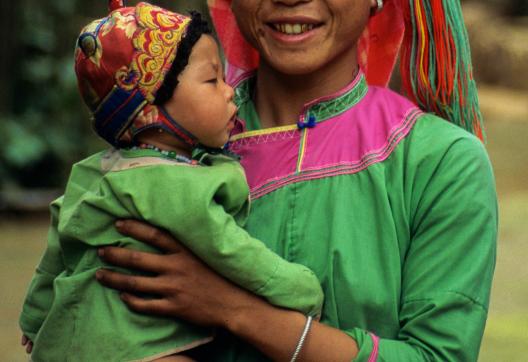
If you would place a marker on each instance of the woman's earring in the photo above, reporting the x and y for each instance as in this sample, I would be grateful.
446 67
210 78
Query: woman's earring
379 5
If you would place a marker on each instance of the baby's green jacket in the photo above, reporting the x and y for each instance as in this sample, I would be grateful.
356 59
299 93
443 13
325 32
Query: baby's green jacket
70 317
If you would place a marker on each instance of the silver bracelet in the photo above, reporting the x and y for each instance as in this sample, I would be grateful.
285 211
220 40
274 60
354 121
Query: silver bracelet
302 339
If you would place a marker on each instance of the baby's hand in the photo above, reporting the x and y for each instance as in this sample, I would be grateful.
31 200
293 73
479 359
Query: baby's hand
27 342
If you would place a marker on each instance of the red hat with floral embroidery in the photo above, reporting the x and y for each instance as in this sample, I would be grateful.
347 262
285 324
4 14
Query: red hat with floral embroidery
127 65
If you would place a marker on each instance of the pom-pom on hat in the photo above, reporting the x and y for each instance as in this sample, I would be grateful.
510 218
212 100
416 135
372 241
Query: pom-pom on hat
127 66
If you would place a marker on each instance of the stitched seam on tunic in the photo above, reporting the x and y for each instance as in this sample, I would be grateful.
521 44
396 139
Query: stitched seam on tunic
292 250
264 132
469 298
335 107
409 119
266 137
272 276
415 223
339 101
348 168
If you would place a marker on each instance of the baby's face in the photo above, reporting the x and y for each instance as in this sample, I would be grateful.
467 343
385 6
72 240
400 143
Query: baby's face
202 102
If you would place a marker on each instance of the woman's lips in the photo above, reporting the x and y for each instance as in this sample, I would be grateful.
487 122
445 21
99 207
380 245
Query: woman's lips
293 30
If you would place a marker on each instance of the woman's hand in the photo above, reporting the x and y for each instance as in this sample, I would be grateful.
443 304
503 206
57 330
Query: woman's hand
187 288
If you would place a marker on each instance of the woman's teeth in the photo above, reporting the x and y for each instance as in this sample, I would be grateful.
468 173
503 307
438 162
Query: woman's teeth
293 29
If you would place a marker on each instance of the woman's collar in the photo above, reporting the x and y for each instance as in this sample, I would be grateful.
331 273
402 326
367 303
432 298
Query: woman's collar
319 109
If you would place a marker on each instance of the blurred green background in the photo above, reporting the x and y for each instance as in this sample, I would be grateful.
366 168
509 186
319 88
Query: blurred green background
44 128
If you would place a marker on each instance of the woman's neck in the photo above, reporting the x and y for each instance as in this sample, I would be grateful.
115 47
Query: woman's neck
280 98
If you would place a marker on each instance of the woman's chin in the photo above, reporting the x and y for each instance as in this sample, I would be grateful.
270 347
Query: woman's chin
292 66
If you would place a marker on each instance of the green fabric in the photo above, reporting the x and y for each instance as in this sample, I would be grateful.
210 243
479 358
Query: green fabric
322 111
35 310
70 316
404 249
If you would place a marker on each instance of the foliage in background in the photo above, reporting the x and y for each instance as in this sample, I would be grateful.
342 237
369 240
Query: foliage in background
44 126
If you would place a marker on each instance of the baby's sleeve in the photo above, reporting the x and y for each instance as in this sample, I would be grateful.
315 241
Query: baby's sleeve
246 261
40 293
192 207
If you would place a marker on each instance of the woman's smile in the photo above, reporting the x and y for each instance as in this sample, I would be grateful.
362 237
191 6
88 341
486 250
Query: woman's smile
293 29
302 37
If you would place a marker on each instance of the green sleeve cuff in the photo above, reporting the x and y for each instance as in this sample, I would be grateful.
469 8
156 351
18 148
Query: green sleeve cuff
29 325
368 345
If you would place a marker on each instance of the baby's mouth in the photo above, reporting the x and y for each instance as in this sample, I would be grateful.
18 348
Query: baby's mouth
232 120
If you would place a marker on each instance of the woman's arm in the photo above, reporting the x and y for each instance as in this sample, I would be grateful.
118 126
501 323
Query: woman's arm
191 290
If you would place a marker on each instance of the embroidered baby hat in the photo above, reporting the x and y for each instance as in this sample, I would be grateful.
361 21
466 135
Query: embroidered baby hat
127 66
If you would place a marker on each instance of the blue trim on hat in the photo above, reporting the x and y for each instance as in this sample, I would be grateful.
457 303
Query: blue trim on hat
98 27
185 136
116 112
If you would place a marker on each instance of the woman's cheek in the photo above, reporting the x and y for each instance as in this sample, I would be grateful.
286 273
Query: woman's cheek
245 12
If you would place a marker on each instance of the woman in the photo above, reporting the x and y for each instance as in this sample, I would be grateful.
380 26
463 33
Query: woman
392 208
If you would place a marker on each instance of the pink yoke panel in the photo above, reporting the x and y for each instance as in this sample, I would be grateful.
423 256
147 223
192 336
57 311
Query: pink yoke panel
365 130
268 157
364 134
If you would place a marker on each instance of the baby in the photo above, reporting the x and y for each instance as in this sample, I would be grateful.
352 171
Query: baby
153 81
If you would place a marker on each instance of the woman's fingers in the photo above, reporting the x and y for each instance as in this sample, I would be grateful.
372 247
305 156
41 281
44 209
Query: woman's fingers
149 234
132 259
130 283
27 342
147 306
29 347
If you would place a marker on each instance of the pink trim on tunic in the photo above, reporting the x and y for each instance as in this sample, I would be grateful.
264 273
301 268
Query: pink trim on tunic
348 143
375 348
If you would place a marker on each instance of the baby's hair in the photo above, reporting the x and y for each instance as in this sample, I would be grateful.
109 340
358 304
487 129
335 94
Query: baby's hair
194 31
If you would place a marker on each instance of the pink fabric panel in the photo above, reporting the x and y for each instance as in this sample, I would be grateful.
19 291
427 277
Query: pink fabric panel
365 134
363 129
268 157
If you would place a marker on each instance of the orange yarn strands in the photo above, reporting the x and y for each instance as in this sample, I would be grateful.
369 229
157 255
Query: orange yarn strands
436 62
